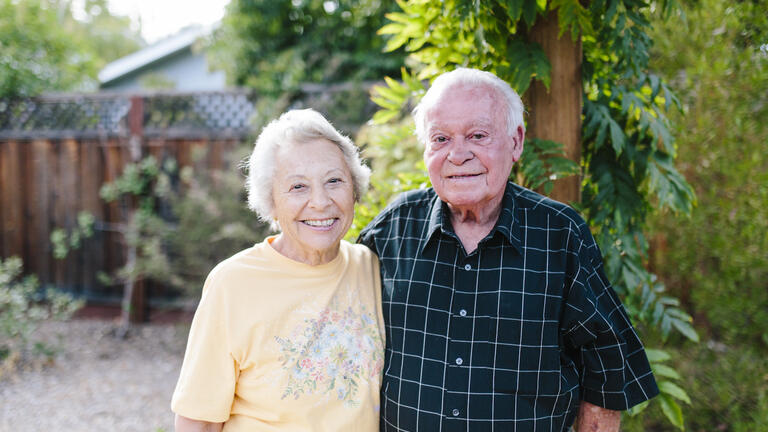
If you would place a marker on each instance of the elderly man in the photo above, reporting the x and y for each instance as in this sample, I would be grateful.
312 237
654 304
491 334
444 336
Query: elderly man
498 313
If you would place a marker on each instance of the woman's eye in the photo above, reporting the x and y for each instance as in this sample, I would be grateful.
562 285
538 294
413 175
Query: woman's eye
335 180
478 136
297 187
441 139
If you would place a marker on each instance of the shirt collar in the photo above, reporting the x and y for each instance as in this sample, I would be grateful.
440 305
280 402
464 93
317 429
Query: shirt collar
508 224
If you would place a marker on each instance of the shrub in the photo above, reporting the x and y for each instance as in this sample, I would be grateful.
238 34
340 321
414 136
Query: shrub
23 305
717 261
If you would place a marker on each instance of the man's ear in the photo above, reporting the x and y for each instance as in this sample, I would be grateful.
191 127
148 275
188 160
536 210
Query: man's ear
517 143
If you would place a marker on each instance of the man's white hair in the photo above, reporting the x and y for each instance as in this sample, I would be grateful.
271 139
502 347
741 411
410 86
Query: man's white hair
465 77
295 127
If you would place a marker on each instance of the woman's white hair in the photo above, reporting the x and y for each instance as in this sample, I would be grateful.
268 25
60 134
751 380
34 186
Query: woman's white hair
294 127
470 78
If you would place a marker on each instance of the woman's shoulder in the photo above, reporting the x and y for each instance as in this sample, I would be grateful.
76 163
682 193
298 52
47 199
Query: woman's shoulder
239 266
357 251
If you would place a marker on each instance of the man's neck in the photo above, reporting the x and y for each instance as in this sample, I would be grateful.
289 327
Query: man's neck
472 224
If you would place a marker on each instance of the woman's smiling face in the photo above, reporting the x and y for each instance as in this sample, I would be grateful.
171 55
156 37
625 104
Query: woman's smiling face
314 200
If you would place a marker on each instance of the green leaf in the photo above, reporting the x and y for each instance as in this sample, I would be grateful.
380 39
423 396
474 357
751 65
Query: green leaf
386 103
530 9
526 62
660 369
384 116
637 409
514 8
618 140
672 389
396 42
392 28
398 17
672 411
686 329
656 355
663 370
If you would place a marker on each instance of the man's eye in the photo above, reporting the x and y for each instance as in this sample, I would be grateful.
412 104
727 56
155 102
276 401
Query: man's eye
478 136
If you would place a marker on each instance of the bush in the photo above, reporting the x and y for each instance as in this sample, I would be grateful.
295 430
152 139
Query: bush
728 387
717 261
212 223
23 305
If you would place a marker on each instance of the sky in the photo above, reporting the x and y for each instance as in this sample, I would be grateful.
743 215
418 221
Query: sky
161 18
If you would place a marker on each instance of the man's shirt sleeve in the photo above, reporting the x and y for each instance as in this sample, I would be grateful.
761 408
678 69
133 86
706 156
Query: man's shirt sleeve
366 238
615 372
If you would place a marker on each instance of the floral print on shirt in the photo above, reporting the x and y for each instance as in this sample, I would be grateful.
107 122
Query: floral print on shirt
331 352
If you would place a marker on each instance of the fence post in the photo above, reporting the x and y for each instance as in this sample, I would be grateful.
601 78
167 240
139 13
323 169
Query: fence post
136 292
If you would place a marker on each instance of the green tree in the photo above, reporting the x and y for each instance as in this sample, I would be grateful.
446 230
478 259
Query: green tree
722 81
44 48
628 148
716 261
107 36
36 51
276 45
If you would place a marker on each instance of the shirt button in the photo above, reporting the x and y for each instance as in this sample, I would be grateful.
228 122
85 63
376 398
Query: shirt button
459 361
467 267
463 312
455 412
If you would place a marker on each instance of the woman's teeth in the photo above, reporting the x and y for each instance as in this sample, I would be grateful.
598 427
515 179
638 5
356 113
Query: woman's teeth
320 223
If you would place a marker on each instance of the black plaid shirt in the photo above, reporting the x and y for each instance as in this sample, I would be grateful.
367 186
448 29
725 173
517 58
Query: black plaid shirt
509 337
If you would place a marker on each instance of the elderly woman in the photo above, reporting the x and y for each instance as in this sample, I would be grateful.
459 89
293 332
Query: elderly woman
289 333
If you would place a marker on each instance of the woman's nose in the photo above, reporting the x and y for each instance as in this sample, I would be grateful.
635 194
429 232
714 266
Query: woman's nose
319 198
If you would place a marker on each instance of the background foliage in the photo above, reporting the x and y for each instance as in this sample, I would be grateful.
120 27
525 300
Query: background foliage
274 46
23 305
715 55
44 48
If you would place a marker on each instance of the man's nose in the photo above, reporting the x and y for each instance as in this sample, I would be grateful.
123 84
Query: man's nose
459 153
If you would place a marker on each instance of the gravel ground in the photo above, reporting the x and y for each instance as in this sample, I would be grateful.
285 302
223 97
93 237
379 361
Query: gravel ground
96 382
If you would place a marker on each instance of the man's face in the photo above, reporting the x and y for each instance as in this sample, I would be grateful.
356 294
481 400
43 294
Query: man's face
469 153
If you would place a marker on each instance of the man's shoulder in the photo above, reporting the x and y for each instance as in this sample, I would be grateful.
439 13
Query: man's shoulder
538 205
417 202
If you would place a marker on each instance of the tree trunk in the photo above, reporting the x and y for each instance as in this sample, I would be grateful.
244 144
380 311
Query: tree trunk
556 114
127 305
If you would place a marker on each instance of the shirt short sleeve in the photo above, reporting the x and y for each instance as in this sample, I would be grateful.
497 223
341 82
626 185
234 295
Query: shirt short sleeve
615 372
206 385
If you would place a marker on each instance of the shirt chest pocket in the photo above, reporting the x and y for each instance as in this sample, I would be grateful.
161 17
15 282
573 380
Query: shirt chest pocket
527 355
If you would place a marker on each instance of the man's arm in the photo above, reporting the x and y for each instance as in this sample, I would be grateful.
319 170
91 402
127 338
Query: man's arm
593 418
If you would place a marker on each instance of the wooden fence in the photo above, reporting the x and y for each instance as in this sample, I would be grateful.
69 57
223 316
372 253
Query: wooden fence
52 169
45 183
57 151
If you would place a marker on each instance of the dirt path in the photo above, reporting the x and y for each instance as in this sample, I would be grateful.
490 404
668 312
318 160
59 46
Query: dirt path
97 383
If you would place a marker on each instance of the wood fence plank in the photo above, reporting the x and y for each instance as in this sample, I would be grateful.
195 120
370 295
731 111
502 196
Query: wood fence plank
12 206
40 177
65 209
113 167
90 175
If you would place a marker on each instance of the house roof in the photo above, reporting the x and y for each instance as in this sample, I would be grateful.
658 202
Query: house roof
157 51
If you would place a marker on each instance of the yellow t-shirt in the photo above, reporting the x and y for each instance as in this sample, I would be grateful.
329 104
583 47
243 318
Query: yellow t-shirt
281 345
